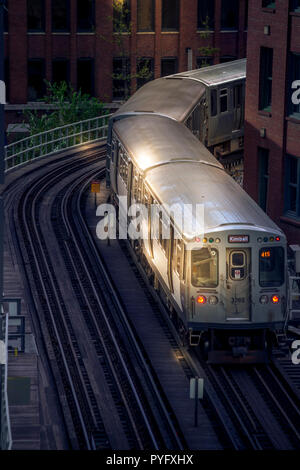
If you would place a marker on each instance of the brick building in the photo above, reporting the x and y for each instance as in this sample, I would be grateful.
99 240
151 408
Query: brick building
272 121
74 40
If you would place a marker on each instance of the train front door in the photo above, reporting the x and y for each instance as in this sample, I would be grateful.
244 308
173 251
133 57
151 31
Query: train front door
238 285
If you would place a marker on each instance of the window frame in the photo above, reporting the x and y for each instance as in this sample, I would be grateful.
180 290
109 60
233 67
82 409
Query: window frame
236 13
37 30
92 22
268 4
91 60
163 10
265 79
175 59
43 76
152 28
126 80
210 4
293 71
138 79
263 176
122 18
67 28
295 6
225 95
61 60
288 184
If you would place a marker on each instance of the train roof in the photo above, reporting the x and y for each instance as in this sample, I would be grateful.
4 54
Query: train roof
156 140
172 98
225 202
175 96
216 74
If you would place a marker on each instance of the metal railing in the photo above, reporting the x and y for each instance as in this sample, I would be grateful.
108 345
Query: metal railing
5 428
55 140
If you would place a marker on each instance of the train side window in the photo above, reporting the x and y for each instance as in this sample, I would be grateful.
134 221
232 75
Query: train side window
213 103
177 256
223 100
237 96
123 166
114 147
162 228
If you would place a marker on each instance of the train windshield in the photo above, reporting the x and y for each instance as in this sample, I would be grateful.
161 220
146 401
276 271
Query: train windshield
205 267
271 266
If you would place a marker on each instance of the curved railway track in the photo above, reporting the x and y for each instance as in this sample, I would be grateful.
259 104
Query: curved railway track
146 418
143 414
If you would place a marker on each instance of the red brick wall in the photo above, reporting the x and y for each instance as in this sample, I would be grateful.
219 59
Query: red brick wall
277 139
20 45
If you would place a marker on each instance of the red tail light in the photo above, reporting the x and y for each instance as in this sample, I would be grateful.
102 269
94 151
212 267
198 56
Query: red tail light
201 299
275 299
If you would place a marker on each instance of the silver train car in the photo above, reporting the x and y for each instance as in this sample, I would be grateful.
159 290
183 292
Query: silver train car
225 282
209 101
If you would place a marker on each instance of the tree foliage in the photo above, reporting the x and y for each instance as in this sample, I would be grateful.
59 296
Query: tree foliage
66 106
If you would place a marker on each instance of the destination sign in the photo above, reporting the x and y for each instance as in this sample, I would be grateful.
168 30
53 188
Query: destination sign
238 238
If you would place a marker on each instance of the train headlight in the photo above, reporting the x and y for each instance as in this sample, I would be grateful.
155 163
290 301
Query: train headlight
213 300
264 299
201 299
275 299
259 239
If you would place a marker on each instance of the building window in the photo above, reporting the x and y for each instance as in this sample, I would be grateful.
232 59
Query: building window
263 170
295 5
60 70
121 16
292 187
268 4
145 15
168 66
206 14
265 80
121 78
60 15
230 14
204 61
85 75
36 77
145 70
85 15
294 86
5 16
227 58
246 14
35 15
6 78
170 15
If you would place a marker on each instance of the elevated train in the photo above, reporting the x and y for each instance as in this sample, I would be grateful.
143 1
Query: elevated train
227 284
